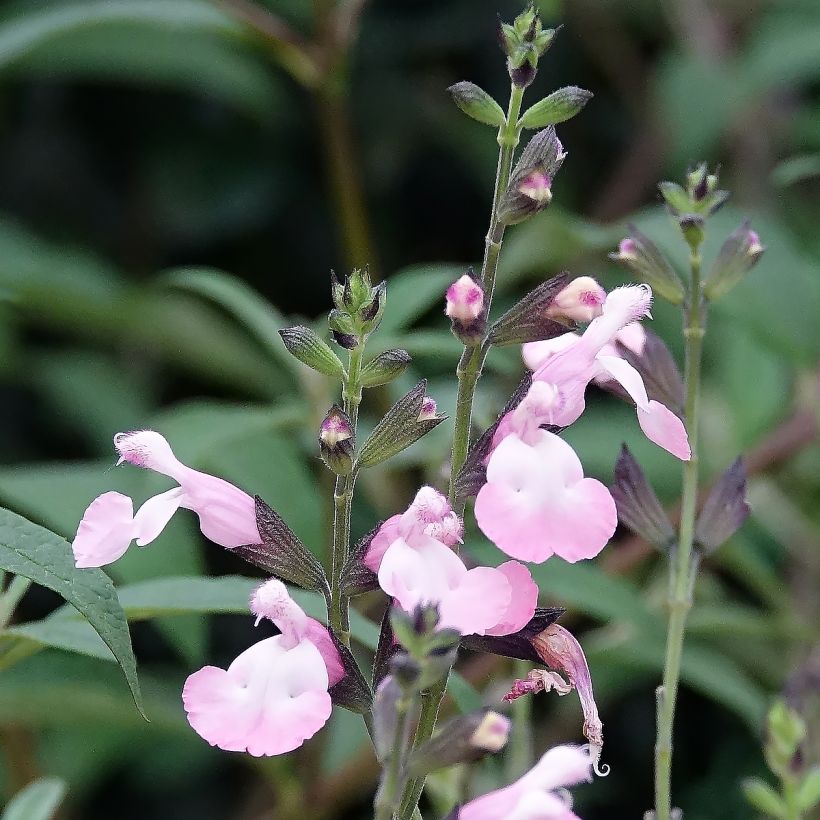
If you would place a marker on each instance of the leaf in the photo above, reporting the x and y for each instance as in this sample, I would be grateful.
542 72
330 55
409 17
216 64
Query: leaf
463 693
37 801
34 552
808 794
763 797
256 315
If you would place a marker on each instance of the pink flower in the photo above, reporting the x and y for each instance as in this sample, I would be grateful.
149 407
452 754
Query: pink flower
465 300
227 515
575 363
274 696
538 795
413 558
558 648
536 502
581 300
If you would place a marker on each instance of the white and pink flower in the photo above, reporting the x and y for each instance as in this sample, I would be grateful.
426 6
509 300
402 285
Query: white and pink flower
571 362
536 502
227 515
413 557
274 696
539 794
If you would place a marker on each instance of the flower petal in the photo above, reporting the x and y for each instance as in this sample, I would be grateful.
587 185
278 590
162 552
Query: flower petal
661 426
523 601
387 534
478 603
106 530
269 701
318 635
627 376
154 514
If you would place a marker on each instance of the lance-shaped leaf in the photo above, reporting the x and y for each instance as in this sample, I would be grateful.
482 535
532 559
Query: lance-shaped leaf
281 553
527 320
463 739
305 345
724 510
385 367
559 106
37 801
475 102
36 553
518 644
404 424
357 577
658 369
352 691
473 474
638 506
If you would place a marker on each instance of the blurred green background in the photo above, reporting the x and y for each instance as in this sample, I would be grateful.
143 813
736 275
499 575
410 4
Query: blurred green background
177 179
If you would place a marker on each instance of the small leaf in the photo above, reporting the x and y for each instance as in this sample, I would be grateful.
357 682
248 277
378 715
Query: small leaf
281 553
558 107
37 801
399 428
763 797
38 554
638 506
808 793
477 103
306 346
724 510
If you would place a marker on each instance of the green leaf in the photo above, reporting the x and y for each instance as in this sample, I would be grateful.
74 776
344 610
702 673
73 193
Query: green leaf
34 552
763 797
37 801
256 315
559 106
808 793
463 693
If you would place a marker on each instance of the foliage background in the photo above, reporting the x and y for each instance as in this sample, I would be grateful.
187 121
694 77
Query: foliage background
143 150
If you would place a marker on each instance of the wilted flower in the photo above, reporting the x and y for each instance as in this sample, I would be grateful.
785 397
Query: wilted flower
227 515
274 696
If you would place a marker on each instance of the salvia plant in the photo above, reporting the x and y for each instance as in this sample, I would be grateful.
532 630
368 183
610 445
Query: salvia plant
517 482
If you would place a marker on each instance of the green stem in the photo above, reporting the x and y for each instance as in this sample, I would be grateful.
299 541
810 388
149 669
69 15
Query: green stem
468 373
339 615
519 749
11 597
682 568
387 799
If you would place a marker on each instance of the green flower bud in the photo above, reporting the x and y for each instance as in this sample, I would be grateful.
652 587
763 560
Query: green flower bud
477 103
559 106
305 345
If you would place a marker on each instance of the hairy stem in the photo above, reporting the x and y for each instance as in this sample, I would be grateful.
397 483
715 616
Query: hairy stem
468 373
339 615
682 568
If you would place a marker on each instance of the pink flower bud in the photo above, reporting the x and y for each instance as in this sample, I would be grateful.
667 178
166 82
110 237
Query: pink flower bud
429 410
628 248
465 300
755 248
335 428
492 733
537 186
582 300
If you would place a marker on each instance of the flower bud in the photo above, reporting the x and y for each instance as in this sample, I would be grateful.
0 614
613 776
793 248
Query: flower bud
464 739
406 422
305 345
385 367
693 229
739 254
724 510
336 441
582 300
558 107
530 186
640 254
465 307
475 102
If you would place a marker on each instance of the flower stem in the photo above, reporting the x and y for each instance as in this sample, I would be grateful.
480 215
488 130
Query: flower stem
387 799
682 568
338 614
468 373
